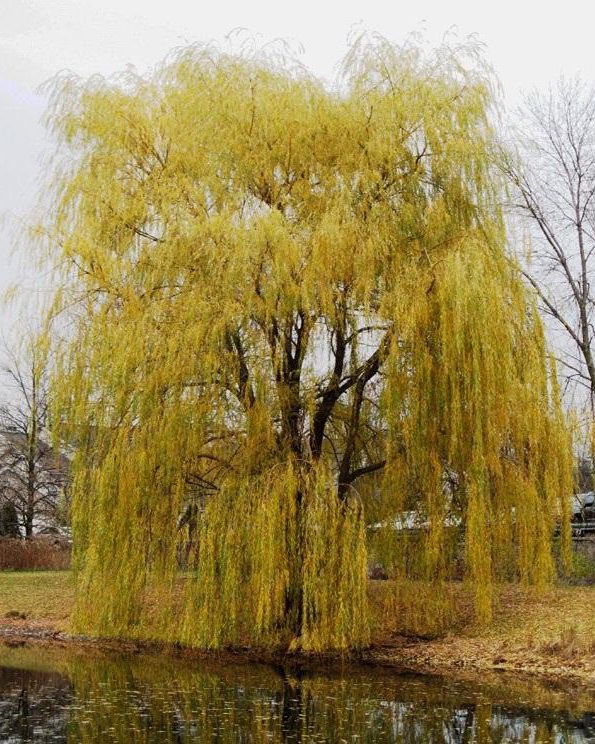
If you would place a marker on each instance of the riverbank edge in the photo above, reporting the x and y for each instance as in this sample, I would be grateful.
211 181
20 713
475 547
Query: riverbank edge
404 655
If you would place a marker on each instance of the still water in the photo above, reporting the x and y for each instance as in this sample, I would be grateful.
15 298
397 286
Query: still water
58 696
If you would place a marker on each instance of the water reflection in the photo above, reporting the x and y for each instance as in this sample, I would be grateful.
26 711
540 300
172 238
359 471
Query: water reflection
46 697
34 705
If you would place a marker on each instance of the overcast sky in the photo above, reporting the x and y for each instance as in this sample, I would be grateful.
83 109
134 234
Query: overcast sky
528 42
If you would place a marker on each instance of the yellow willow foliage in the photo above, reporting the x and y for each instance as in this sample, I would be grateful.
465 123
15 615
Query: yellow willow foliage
247 569
485 446
288 307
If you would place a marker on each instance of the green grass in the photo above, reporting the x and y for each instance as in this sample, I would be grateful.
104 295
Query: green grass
44 597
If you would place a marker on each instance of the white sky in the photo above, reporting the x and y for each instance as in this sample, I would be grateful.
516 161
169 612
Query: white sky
528 42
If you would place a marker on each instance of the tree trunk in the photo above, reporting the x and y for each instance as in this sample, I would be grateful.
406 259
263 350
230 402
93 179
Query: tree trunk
29 523
294 596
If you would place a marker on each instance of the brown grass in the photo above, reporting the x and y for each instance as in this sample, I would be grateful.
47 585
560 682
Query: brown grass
35 554
549 632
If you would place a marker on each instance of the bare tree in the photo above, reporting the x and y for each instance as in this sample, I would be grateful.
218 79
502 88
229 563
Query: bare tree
554 186
32 476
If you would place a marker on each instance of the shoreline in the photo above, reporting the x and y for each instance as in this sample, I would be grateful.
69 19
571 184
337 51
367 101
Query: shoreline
441 657
545 635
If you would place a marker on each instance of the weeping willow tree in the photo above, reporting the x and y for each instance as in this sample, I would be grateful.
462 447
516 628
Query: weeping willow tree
287 302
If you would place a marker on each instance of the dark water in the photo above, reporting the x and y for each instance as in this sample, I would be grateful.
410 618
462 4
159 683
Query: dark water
47 696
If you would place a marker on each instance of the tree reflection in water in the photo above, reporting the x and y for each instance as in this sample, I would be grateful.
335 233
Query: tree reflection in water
158 699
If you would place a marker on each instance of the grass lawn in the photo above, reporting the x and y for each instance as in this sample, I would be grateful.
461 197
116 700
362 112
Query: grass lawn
44 597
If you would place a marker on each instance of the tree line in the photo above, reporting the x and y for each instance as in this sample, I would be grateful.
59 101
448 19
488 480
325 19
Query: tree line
33 473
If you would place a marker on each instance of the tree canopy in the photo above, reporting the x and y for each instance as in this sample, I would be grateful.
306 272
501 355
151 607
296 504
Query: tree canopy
292 306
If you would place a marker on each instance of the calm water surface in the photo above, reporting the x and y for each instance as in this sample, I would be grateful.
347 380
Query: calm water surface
53 696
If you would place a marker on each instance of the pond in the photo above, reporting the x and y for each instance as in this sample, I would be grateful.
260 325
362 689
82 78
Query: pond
57 695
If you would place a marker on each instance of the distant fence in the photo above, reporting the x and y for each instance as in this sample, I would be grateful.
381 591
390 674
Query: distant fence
583 529
35 553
